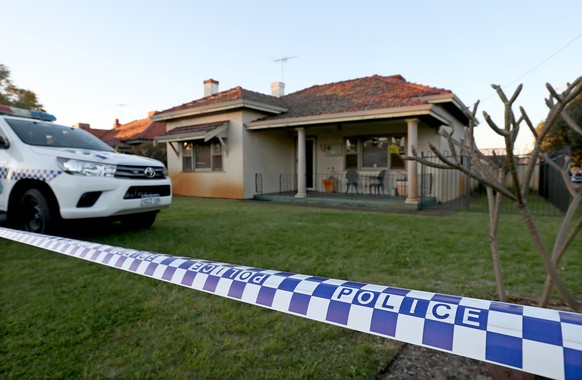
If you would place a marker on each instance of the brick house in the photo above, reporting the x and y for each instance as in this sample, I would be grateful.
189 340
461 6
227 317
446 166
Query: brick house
236 143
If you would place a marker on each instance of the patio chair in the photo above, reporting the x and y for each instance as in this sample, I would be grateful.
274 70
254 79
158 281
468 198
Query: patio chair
378 182
351 180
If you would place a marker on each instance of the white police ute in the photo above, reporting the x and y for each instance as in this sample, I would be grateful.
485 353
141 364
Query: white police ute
50 173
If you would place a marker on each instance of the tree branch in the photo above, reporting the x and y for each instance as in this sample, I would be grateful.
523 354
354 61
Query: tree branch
528 122
568 95
492 125
571 123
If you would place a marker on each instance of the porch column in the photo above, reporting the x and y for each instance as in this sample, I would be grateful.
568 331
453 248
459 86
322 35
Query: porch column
411 166
301 164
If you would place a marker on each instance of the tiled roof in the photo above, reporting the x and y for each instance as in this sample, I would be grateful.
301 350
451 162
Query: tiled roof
237 93
99 133
143 129
153 130
362 94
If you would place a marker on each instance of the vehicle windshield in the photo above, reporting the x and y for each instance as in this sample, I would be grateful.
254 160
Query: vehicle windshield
40 133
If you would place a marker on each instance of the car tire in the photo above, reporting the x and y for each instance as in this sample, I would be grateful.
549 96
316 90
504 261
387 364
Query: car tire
139 221
35 213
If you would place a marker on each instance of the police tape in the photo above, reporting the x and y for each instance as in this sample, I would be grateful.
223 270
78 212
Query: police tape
536 340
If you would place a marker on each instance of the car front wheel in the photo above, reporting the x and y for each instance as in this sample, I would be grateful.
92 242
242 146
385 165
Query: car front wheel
35 213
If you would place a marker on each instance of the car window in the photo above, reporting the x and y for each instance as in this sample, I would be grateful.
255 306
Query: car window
41 133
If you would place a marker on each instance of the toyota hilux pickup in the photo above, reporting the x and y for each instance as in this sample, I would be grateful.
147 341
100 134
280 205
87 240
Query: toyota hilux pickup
50 173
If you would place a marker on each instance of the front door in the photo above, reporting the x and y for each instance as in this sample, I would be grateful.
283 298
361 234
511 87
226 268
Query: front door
309 163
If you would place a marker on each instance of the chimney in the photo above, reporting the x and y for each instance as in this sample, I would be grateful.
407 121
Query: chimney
116 124
278 89
82 125
210 87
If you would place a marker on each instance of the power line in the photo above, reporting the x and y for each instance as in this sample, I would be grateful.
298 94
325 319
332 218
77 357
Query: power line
538 65
545 60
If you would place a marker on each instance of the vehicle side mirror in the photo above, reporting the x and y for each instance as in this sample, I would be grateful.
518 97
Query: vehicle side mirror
4 144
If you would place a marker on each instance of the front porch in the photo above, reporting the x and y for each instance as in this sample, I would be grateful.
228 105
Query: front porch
365 154
342 201
387 192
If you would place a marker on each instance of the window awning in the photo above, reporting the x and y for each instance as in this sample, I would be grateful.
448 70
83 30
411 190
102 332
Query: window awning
206 132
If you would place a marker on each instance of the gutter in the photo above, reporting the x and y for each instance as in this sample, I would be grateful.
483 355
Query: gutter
385 113
450 98
220 107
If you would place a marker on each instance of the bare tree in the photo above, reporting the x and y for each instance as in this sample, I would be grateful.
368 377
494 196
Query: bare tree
492 172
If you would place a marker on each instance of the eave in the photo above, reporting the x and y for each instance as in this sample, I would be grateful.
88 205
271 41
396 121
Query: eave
453 105
218 108
426 111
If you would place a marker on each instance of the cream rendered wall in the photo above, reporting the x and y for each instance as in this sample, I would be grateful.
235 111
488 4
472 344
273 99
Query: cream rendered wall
270 153
427 135
450 184
323 163
228 183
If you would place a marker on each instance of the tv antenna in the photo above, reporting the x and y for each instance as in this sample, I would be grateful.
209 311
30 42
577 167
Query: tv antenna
121 107
283 61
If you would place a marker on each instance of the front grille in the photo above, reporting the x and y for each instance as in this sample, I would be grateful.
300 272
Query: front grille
139 172
136 192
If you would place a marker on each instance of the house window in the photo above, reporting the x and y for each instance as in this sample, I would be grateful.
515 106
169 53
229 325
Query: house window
186 157
201 156
216 156
397 149
375 152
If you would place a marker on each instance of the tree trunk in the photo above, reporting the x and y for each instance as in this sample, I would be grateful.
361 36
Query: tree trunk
494 210
546 260
561 245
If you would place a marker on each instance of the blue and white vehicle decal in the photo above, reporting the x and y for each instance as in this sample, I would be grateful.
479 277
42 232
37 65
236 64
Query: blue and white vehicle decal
45 175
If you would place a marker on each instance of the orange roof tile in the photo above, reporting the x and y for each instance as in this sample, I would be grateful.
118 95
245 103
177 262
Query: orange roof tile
143 129
375 92
237 93
361 94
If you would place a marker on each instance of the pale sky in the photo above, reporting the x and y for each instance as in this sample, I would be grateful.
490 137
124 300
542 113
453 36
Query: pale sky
95 61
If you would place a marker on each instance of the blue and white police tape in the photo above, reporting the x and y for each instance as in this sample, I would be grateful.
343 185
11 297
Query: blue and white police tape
540 341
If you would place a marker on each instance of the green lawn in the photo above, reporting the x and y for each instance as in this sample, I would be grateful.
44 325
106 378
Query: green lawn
67 318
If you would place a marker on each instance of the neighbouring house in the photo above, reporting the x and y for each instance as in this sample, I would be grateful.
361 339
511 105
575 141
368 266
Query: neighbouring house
126 137
238 143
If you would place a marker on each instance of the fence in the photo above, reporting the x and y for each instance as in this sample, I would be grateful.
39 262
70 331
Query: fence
552 185
456 191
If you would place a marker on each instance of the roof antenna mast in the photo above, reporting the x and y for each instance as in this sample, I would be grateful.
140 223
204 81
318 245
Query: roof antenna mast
283 61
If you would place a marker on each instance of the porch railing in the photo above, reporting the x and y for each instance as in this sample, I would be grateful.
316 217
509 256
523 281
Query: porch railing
391 185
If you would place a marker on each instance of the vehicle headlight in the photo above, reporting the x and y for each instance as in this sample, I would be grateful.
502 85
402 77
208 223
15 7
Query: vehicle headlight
88 168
